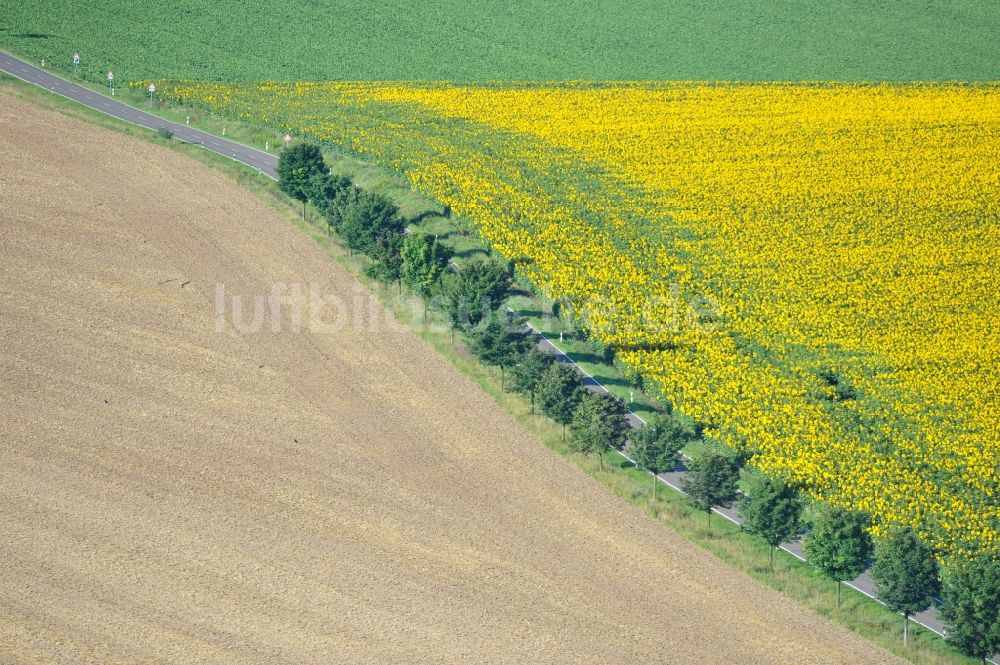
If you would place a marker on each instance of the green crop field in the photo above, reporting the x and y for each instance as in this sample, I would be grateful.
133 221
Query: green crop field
231 40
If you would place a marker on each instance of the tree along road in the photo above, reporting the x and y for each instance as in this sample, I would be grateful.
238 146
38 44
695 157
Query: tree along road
262 161
267 164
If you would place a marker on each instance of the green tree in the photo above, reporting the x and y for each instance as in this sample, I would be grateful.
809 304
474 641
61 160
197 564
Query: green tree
367 221
296 167
479 287
387 259
839 545
559 392
501 342
322 189
711 481
971 610
526 374
424 260
342 201
657 446
599 425
906 574
771 510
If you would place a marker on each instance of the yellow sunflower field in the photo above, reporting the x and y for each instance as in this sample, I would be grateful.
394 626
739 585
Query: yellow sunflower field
808 270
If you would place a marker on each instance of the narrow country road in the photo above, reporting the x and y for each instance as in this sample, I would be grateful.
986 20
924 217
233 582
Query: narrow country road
266 163
262 161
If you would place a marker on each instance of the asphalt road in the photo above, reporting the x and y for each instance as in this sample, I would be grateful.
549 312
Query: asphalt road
267 164
262 161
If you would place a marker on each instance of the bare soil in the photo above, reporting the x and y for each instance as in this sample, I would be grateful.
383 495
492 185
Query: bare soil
174 494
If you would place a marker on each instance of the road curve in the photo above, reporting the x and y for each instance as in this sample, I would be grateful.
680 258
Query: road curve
259 160
267 163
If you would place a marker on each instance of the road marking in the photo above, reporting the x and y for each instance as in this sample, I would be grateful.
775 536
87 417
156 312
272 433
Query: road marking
579 369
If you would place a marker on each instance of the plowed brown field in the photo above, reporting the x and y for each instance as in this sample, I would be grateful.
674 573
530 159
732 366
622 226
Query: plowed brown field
174 494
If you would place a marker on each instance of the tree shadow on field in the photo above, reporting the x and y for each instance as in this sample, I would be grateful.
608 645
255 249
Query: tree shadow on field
424 215
469 253
612 381
621 463
583 357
